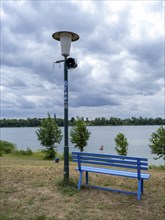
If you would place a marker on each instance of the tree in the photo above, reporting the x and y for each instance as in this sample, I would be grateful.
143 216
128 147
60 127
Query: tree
49 134
79 134
121 144
157 143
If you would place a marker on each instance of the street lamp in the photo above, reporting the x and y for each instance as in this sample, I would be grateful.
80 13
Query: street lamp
65 39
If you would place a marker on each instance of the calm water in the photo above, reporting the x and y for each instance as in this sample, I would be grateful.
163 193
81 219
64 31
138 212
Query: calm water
138 139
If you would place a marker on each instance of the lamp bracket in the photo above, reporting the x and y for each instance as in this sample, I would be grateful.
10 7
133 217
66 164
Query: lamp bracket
58 61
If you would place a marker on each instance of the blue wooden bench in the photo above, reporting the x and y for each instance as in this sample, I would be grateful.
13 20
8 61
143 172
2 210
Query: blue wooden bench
124 166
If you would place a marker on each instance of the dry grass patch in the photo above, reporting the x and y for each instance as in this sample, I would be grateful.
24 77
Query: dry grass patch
33 189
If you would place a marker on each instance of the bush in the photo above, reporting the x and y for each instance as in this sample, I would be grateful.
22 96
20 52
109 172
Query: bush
27 152
6 147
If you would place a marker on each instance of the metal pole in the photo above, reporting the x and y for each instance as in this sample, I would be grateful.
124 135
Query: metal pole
66 147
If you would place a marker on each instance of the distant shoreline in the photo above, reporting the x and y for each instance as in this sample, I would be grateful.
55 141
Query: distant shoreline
112 121
87 126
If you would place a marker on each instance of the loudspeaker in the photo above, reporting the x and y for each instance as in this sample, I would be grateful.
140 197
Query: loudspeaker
70 63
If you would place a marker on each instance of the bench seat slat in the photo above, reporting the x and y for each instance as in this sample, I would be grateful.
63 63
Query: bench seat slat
114 172
109 164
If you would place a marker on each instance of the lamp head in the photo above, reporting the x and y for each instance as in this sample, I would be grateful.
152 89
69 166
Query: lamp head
65 38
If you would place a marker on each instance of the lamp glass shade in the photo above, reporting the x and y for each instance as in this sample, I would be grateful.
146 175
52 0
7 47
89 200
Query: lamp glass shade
65 39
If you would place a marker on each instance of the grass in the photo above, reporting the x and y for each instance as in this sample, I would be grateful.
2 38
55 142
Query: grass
33 189
160 167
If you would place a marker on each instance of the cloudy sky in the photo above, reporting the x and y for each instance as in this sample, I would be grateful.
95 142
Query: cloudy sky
120 56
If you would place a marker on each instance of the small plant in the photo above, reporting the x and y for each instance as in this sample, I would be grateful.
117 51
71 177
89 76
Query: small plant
157 143
121 144
79 134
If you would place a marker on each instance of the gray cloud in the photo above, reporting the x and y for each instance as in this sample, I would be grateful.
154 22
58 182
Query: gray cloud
120 58
93 99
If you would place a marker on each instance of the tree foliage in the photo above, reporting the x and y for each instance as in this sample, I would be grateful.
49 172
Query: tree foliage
157 143
49 134
121 144
79 134
114 121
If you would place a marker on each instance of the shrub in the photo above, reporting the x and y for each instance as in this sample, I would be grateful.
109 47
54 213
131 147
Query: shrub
6 147
27 152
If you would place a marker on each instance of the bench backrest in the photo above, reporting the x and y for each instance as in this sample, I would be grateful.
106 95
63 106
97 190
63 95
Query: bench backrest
111 160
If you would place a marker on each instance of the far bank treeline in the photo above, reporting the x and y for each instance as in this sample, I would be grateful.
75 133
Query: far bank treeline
113 121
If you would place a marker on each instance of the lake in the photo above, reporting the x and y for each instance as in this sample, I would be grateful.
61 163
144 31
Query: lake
137 136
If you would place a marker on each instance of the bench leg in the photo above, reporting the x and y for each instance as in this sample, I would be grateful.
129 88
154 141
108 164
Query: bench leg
80 180
139 189
86 177
142 186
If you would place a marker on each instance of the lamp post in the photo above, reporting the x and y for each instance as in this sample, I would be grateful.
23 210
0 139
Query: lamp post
65 39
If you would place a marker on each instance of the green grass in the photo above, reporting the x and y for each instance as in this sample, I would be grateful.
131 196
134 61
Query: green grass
33 189
160 167
40 155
